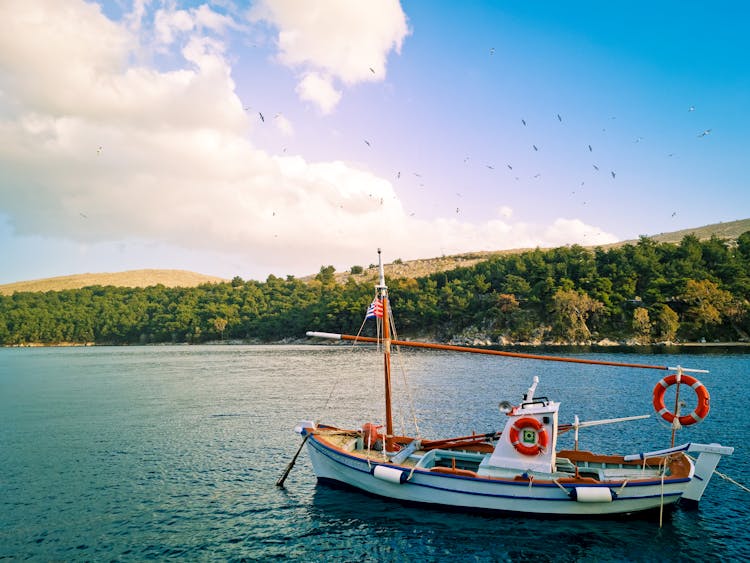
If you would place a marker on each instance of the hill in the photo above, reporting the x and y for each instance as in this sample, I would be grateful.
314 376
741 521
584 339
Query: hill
131 278
396 269
729 231
427 266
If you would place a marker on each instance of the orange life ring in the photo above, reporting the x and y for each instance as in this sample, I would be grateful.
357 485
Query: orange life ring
541 436
701 410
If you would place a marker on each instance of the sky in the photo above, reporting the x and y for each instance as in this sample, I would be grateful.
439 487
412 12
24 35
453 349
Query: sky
275 137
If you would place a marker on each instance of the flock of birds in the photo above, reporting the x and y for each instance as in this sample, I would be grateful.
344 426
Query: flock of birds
534 147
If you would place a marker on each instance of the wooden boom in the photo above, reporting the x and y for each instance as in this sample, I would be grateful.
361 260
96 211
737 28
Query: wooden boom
453 348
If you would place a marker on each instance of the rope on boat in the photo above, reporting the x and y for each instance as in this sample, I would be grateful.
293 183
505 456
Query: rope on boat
661 500
407 387
728 478
338 377
413 469
725 477
556 482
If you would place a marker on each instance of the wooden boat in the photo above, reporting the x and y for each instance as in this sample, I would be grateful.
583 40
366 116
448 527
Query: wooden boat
517 469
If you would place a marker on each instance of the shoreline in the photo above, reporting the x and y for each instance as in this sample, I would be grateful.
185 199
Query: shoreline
522 345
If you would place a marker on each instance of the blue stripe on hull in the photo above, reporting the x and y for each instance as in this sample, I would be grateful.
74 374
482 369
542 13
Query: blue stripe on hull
650 513
362 467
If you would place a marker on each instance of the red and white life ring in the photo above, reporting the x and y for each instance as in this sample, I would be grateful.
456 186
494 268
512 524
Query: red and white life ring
541 436
701 410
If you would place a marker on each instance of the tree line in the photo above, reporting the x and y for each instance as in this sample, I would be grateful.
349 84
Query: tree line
643 293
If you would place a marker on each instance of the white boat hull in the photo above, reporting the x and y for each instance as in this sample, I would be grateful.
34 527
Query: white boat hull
477 493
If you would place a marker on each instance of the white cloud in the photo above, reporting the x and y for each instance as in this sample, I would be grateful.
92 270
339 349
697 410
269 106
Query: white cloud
284 126
170 23
95 147
346 40
319 90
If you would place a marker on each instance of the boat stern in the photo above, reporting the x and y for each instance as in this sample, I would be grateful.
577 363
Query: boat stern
708 458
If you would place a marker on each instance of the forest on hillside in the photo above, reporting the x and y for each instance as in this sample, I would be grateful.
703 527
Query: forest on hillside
641 293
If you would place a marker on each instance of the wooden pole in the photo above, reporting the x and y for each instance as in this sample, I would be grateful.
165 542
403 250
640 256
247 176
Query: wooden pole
387 367
453 348
280 482
676 420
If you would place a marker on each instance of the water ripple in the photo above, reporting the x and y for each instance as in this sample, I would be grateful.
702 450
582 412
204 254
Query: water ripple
173 452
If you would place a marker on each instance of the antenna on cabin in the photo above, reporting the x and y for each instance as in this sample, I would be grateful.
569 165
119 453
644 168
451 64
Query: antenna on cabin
529 396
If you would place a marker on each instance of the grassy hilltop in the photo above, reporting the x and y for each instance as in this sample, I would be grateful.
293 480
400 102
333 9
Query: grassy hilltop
396 269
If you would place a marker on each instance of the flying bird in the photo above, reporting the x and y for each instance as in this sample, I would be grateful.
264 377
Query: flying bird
559 118
372 70
99 150
490 167
595 167
674 213
535 147
367 143
613 173
398 175
590 149
691 108
524 122
510 167
492 51
83 215
263 119
704 133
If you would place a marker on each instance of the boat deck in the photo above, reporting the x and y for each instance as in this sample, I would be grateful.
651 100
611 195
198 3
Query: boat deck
571 465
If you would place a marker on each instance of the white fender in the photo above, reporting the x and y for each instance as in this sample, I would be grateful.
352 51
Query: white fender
390 474
592 494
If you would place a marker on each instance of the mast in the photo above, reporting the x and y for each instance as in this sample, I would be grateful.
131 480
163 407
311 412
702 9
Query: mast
382 290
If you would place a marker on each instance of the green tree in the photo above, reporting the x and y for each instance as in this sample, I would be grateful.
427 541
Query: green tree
666 323
707 304
220 325
641 325
571 310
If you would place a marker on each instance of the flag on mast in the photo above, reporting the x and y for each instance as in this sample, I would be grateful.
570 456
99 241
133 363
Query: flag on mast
375 309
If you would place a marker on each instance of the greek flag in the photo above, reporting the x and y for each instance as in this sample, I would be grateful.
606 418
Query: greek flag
375 309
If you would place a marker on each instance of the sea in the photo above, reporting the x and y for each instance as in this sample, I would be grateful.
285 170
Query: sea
173 452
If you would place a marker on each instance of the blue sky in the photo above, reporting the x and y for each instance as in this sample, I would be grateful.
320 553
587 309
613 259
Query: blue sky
131 134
